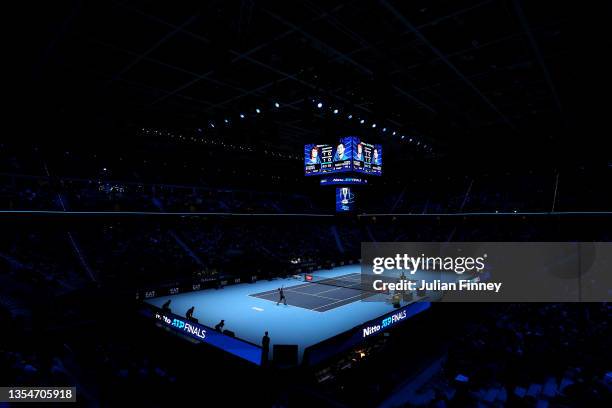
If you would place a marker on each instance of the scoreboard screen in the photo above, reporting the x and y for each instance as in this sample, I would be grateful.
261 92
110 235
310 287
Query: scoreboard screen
367 158
343 154
349 154
317 159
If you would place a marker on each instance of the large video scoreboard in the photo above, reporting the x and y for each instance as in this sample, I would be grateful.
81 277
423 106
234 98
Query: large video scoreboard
350 154
367 158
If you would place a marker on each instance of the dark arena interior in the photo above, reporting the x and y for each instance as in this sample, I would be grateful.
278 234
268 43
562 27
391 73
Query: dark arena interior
193 196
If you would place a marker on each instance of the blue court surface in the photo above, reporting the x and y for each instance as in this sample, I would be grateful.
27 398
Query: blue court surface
323 295
314 312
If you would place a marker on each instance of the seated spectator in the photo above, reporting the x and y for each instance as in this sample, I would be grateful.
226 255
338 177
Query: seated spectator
220 325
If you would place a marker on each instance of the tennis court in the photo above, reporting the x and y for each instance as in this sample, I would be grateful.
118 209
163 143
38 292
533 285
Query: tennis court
323 295
250 309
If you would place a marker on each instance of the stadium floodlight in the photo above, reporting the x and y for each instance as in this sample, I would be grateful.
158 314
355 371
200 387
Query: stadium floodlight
384 129
393 133
350 116
319 105
335 111
257 110
276 105
373 125
362 121
226 120
242 116
403 137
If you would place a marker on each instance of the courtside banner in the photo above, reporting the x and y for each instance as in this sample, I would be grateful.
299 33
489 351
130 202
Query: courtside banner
402 272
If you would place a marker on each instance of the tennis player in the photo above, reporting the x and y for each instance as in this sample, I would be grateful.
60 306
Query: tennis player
282 298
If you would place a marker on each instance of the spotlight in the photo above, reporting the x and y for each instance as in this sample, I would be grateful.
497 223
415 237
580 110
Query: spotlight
373 125
319 105
335 111
242 116
403 137
384 129
257 110
362 121
226 120
276 105
393 133
350 116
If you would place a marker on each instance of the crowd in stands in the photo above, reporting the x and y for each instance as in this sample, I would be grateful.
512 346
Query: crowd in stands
515 354
518 354
106 366
38 262
503 194
44 179
578 189
534 352
45 193
134 255
32 368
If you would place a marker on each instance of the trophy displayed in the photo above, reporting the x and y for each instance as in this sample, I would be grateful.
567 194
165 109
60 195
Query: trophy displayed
345 193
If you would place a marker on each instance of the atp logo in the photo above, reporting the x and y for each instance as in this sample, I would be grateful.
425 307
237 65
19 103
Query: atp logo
189 328
183 326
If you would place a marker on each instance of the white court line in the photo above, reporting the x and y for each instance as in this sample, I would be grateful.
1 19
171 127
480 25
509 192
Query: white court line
297 293
306 284
333 303
306 294
291 290
259 309
312 294
276 290
336 288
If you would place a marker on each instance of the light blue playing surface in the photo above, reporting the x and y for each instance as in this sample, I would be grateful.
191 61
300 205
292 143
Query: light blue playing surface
249 317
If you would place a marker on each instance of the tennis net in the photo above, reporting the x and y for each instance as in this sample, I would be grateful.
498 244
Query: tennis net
351 281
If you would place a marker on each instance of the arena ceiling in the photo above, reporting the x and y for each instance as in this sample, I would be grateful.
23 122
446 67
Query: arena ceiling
448 74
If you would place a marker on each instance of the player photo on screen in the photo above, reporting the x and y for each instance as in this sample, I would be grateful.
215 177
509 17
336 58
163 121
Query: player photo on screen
343 149
367 158
345 199
313 155
377 159
358 153
343 152
316 158
377 155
